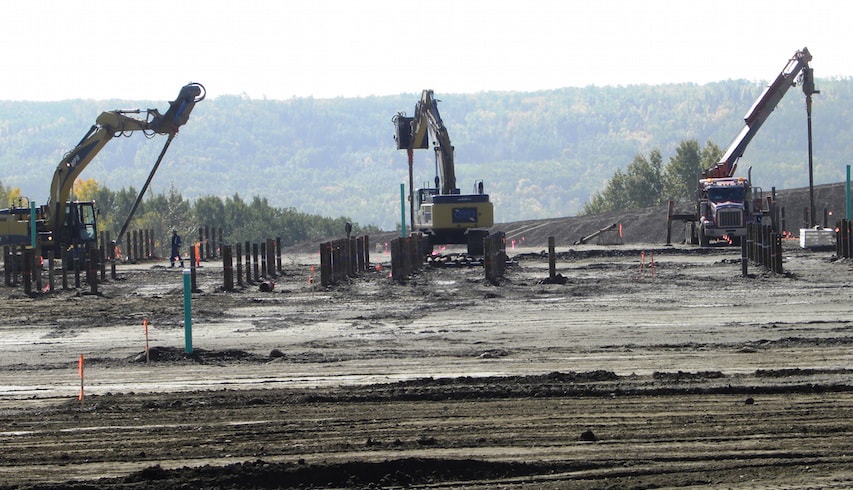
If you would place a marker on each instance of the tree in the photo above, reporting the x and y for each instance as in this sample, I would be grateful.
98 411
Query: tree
711 154
123 201
104 199
157 212
643 180
638 187
210 210
4 196
85 190
164 212
8 195
681 174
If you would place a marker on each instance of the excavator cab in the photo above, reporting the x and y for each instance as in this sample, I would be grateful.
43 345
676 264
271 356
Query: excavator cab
86 221
81 225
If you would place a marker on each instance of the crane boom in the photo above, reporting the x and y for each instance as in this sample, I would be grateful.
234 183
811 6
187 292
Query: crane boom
726 205
427 120
761 109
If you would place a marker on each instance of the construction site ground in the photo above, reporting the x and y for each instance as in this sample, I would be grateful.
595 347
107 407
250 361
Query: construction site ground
636 366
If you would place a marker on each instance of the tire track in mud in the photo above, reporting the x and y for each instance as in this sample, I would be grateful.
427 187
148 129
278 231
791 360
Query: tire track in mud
301 438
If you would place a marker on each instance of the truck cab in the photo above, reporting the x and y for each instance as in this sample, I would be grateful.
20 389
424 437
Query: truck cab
726 206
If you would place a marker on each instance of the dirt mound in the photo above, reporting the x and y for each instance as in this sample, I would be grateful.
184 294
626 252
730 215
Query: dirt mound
199 356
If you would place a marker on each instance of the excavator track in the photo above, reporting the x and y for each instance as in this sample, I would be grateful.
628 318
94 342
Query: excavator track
459 260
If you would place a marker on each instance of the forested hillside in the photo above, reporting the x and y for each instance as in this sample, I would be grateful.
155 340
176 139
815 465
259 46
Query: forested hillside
541 154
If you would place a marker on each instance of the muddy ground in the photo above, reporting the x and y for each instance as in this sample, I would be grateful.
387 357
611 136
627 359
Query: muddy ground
616 375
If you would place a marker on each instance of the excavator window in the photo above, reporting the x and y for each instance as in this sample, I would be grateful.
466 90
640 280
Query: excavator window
88 230
425 194
464 215
80 222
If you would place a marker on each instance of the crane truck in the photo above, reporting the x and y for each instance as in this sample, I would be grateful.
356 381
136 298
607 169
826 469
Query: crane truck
62 223
725 203
441 212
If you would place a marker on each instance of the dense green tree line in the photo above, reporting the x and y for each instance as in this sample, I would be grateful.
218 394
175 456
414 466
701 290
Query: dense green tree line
647 182
540 154
254 220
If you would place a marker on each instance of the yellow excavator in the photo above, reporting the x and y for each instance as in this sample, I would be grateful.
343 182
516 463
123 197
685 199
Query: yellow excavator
61 223
442 213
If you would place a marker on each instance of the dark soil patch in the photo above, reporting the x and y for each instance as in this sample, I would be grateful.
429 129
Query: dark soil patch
261 474
198 356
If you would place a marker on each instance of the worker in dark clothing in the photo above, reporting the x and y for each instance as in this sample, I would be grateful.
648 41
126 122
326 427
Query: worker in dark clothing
176 249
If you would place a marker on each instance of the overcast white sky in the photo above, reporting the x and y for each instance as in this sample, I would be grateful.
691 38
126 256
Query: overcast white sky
278 49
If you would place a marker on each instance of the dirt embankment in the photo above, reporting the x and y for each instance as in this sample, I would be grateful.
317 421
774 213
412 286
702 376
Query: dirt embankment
648 225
